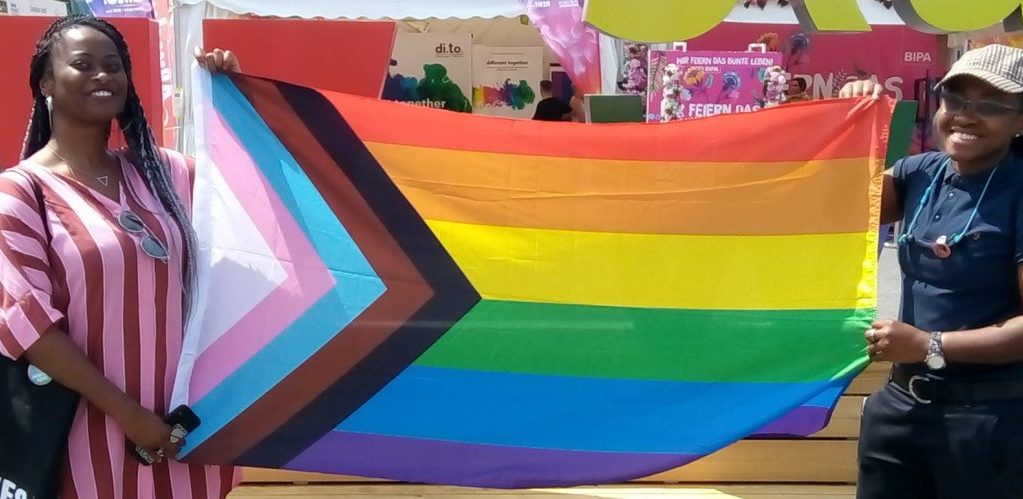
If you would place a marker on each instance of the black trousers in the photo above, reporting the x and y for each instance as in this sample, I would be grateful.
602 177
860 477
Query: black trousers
910 450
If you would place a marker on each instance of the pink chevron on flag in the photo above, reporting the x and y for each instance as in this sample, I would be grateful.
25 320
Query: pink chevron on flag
307 277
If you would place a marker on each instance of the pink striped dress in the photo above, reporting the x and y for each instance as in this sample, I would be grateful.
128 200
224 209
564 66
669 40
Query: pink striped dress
122 307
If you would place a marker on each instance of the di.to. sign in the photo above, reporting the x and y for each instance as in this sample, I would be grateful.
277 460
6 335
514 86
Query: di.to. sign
672 20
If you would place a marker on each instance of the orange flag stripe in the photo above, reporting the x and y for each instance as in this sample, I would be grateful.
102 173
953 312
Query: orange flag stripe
834 137
633 196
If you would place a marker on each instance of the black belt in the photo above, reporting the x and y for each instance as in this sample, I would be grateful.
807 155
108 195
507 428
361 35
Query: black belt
926 389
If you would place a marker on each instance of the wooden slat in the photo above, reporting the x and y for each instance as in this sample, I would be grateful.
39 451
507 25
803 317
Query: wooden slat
806 460
799 461
402 491
263 475
845 421
872 378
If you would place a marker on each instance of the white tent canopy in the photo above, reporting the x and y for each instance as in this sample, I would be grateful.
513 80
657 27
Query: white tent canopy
873 10
370 9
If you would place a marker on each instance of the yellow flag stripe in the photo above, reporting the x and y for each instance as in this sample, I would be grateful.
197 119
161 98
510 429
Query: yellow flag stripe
833 271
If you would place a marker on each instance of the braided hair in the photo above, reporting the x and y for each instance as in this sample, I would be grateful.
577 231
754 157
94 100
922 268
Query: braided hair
132 122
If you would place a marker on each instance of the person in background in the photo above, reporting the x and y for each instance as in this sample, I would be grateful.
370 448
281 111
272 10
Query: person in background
949 422
796 91
551 108
97 265
578 108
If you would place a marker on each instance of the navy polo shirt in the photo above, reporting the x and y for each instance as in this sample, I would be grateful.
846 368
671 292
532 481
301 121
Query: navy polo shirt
977 285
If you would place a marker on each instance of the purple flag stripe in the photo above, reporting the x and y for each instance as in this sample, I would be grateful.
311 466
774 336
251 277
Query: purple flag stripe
430 461
804 421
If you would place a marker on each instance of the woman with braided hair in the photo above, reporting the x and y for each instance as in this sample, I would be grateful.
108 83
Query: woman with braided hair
96 265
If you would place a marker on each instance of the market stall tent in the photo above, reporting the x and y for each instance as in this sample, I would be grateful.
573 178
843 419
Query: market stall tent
497 23
376 9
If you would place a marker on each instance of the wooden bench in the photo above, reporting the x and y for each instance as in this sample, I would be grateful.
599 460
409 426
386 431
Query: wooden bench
828 457
629 491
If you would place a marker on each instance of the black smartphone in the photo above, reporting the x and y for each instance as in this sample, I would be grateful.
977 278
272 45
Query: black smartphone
183 419
182 422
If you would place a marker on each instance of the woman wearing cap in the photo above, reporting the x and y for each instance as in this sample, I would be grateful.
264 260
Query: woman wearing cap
949 423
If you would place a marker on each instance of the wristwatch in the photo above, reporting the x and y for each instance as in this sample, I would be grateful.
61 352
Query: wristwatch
935 358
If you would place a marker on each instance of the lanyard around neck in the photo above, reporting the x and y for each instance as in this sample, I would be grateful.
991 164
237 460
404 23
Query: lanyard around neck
907 235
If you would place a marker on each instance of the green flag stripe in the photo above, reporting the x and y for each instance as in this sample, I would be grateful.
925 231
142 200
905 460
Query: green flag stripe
655 344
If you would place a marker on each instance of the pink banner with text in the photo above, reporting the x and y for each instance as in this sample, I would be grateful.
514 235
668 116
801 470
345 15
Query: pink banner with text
896 56
697 84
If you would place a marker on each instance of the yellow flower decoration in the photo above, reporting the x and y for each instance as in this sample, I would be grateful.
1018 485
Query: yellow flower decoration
694 76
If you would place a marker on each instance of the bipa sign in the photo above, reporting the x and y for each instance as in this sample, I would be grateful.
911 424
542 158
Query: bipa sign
918 57
660 21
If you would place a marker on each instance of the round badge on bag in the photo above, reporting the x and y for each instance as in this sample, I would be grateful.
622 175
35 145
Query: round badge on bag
38 377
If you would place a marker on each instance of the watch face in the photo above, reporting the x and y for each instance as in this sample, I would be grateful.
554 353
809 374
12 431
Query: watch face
935 362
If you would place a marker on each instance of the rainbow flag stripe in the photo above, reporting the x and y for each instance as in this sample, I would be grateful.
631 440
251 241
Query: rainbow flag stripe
411 294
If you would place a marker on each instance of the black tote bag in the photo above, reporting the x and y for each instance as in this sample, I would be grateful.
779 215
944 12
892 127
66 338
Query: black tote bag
34 426
35 421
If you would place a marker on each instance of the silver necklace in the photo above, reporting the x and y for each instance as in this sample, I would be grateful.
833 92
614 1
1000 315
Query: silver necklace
103 179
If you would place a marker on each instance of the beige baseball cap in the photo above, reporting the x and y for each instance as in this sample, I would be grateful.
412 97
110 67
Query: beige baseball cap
999 65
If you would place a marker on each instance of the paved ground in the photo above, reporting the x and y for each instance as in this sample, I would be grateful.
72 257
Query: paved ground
888 282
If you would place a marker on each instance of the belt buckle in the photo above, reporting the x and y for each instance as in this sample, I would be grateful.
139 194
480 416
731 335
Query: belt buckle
911 387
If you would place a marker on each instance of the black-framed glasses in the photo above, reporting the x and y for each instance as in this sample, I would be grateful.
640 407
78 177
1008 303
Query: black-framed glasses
955 103
150 245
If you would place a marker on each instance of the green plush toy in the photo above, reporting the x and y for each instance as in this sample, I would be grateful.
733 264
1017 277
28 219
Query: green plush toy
437 86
